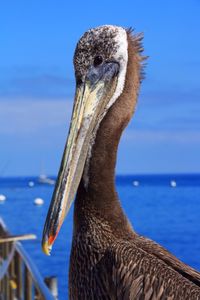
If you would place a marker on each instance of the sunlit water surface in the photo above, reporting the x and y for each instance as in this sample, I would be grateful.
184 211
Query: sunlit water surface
168 215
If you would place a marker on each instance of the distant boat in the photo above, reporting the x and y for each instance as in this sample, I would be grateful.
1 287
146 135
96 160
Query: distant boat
31 183
43 179
38 201
173 183
2 198
136 183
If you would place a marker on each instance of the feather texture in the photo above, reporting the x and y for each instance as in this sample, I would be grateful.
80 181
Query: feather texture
108 259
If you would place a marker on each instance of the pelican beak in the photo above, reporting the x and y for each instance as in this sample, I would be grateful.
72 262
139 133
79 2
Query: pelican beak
91 99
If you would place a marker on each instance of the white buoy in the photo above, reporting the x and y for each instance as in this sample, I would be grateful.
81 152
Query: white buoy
38 201
2 198
136 183
31 183
173 183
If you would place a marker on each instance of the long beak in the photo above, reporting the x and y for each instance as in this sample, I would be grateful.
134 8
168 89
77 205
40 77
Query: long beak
91 99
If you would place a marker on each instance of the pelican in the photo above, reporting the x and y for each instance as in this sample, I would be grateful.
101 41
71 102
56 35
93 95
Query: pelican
109 260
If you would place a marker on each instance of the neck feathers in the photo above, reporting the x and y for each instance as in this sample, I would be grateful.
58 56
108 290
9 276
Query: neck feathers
100 192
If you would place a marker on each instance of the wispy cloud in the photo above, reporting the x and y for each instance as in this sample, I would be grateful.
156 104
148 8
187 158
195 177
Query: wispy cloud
22 118
35 82
34 130
178 137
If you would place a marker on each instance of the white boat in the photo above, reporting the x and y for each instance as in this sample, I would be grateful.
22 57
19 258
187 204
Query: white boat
31 183
38 201
43 179
136 183
2 198
173 183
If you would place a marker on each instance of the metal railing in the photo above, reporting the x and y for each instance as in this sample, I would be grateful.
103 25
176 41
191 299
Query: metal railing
19 277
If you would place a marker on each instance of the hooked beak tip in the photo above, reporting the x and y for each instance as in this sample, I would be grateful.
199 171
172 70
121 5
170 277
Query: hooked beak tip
47 245
46 248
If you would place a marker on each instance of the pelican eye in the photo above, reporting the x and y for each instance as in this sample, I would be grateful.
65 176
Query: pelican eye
98 60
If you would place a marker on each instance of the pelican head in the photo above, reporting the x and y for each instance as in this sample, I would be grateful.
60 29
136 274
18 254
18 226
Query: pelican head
100 63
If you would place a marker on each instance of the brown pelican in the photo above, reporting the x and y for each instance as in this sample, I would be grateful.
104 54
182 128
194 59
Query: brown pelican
109 260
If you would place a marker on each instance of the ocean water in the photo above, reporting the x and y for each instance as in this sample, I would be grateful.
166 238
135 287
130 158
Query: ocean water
170 216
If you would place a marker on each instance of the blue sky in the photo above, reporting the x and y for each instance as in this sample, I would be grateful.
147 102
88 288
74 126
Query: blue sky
37 83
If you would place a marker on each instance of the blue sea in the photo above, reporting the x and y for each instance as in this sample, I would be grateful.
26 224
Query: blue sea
168 215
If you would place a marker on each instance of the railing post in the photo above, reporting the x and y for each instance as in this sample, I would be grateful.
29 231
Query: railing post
18 272
7 287
52 284
21 279
12 275
27 285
